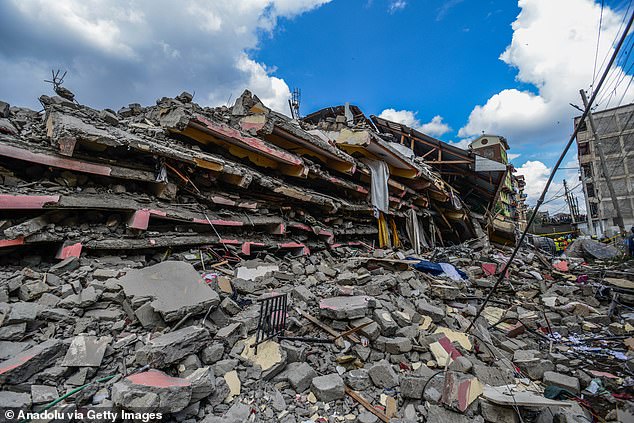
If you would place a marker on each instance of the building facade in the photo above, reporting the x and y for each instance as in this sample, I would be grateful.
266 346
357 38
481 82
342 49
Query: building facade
510 207
615 129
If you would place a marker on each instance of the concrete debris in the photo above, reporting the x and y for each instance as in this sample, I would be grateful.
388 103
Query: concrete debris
152 390
86 351
138 248
175 289
328 388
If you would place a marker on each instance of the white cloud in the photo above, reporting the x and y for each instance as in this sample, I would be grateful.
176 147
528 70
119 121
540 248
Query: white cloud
121 52
464 143
553 50
536 174
513 156
435 127
396 5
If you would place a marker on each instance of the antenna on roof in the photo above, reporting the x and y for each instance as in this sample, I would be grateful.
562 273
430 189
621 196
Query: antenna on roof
293 103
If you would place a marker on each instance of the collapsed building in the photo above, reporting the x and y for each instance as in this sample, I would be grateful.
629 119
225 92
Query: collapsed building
250 177
231 264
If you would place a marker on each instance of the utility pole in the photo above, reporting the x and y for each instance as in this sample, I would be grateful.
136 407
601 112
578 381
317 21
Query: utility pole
589 221
571 205
604 166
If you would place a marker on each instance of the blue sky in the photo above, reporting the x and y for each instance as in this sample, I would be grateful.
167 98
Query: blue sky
428 56
450 68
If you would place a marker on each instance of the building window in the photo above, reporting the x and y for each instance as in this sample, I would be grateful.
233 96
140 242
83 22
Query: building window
590 188
582 126
584 149
485 141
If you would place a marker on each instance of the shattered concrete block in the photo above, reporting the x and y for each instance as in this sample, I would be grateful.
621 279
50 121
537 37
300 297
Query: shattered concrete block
493 376
230 333
173 346
399 345
383 375
535 368
328 387
212 353
371 331
41 394
270 357
386 322
237 413
461 364
427 309
300 376
152 391
358 379
438 413
252 269
203 383
22 312
86 297
15 400
222 367
29 362
460 390
9 349
412 386
86 351
233 382
149 318
103 274
13 332
569 383
345 308
303 294
230 307
497 414
32 291
175 287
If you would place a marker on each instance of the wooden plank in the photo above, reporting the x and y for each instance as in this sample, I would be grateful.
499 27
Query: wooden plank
325 327
358 398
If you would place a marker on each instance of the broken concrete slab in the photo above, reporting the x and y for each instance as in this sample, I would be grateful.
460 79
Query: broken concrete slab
383 375
252 269
41 394
14 400
173 346
153 391
270 356
345 308
569 383
328 387
27 363
175 287
86 351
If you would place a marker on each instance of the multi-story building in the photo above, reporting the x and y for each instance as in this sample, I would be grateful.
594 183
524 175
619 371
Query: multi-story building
615 129
520 210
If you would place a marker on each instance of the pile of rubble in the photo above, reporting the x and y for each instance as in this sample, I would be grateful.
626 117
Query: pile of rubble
367 337
220 265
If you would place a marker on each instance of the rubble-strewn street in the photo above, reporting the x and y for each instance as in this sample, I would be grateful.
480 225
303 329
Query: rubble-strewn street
147 252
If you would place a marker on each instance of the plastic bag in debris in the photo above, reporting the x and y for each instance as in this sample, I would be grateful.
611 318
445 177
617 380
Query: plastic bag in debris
438 269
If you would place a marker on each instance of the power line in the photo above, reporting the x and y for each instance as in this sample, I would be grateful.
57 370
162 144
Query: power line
552 174
629 5
596 52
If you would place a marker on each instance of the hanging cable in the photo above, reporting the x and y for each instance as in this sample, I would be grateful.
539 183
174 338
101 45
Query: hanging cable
552 174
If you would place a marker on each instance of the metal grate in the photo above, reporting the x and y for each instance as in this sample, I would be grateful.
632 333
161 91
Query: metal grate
272 320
